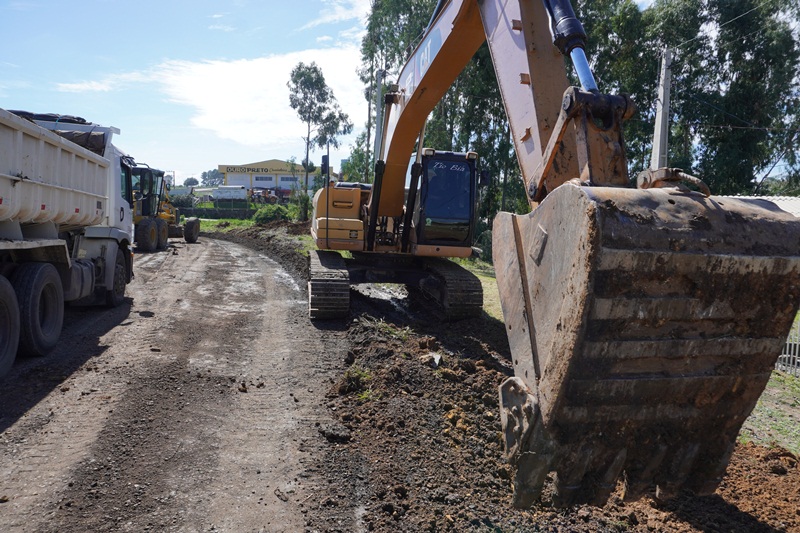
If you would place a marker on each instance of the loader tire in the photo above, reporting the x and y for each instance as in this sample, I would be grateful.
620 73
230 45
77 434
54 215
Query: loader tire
9 325
41 307
191 229
147 235
116 295
163 234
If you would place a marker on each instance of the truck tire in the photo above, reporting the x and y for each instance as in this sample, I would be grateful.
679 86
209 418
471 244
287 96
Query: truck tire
163 234
116 295
9 326
41 307
147 235
191 229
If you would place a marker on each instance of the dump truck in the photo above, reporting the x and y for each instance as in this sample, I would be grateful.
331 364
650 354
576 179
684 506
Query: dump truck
65 226
643 319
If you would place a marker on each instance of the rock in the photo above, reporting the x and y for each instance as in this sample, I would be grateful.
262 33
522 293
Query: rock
335 432
431 359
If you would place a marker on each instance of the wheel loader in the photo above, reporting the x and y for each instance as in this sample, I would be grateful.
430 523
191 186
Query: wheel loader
150 231
188 231
155 219
643 320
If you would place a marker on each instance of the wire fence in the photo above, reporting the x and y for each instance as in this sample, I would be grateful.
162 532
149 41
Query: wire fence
789 360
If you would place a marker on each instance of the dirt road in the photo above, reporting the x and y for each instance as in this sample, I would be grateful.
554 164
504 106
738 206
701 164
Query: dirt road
193 407
209 402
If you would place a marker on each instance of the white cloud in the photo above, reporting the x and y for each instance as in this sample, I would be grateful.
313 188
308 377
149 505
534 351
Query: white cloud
247 100
221 27
88 86
324 38
340 11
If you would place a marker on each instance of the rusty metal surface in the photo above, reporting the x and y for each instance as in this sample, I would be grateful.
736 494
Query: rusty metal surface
644 326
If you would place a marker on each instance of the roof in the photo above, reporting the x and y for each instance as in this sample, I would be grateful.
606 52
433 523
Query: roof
790 204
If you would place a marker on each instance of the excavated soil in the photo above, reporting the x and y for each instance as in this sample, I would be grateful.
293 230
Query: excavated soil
209 402
415 444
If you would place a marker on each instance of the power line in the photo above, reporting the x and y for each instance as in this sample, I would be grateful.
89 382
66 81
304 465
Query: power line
724 23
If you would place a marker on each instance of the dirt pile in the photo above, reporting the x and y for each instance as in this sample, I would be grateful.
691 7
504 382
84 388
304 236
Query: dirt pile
417 445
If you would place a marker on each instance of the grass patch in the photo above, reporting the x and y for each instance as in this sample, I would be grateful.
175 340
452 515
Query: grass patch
305 244
225 224
485 273
390 330
775 421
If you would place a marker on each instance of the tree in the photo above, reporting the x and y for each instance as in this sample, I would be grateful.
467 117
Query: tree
212 178
317 107
357 167
190 182
734 101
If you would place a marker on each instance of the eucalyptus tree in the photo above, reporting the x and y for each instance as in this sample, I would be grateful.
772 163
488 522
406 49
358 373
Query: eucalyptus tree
317 107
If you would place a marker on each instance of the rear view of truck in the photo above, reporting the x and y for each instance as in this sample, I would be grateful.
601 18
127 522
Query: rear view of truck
65 226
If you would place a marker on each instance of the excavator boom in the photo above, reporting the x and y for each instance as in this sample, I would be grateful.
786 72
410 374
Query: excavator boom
643 322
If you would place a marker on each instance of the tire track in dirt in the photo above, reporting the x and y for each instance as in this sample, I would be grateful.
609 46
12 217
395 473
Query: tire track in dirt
196 415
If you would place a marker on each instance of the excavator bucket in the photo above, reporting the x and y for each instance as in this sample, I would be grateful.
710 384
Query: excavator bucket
643 325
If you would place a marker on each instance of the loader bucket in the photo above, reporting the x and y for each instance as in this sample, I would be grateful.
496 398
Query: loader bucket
643 326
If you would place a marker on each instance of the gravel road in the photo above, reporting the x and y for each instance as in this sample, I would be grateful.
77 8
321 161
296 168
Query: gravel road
194 406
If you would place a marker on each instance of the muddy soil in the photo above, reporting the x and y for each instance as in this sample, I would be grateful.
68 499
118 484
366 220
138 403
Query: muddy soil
208 402
418 444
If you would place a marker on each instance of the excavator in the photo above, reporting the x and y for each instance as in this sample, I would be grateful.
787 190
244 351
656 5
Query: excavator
644 317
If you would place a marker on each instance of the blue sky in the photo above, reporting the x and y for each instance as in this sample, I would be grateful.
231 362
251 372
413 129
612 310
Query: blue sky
190 84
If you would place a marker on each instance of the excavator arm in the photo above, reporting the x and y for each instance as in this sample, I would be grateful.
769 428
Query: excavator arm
643 322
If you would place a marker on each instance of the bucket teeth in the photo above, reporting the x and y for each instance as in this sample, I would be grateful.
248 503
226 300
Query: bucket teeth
646 325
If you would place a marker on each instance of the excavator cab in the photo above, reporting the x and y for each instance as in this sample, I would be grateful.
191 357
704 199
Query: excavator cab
447 198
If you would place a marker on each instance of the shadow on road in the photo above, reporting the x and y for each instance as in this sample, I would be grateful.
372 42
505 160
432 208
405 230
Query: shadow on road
32 378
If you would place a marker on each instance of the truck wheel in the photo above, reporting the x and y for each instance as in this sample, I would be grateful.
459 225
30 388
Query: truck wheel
163 234
147 235
9 326
116 295
41 307
191 229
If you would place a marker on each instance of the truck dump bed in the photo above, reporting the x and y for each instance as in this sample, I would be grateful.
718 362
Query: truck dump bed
46 178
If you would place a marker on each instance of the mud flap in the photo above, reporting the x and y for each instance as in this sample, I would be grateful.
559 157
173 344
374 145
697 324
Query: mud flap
643 327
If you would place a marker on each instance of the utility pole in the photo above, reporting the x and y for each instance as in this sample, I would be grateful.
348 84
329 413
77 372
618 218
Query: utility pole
661 133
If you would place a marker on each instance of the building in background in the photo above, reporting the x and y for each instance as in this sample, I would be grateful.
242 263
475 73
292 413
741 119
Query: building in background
274 174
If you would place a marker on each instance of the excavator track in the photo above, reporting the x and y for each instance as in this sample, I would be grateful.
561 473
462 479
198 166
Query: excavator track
457 291
328 286
643 326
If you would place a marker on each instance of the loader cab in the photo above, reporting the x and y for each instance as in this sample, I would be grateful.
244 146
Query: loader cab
146 190
445 213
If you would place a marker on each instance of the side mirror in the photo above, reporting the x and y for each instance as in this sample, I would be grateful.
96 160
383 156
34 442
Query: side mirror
484 179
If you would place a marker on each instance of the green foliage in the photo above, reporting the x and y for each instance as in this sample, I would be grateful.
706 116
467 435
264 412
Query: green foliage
734 101
212 178
317 107
270 213
358 166
183 200
190 182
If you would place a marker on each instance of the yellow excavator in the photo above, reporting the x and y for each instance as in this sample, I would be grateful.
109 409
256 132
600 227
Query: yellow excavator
643 320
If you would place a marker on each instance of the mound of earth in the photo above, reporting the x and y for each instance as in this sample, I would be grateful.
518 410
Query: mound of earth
417 446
